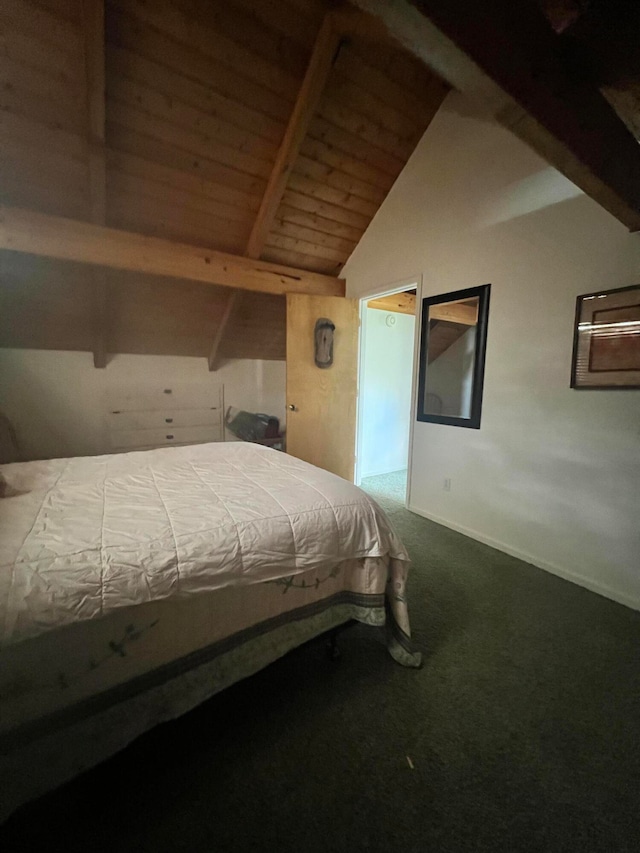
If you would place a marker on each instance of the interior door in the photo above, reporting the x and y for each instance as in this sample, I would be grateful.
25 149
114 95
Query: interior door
321 402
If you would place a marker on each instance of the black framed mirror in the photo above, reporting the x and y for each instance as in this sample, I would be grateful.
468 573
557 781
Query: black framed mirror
452 351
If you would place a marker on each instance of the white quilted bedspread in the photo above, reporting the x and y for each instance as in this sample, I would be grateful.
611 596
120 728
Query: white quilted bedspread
88 535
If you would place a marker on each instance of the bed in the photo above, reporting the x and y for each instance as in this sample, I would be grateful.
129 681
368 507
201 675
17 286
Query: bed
135 586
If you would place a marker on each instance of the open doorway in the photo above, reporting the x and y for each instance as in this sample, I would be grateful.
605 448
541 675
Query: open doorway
388 328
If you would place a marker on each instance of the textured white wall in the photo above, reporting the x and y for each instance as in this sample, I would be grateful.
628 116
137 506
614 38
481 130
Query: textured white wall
385 392
553 475
57 400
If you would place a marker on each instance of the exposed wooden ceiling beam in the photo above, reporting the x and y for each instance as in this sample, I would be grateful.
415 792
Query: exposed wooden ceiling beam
320 65
399 303
455 312
505 55
94 59
233 303
405 303
84 242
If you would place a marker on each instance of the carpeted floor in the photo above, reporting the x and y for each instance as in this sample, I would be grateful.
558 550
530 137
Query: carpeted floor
520 733
391 487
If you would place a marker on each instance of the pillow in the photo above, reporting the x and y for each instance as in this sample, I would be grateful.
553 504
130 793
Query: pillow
9 491
9 450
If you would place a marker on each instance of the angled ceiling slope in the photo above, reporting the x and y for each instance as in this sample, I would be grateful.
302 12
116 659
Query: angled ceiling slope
546 82
198 100
182 145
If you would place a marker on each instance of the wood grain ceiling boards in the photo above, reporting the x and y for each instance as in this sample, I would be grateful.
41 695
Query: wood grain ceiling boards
198 96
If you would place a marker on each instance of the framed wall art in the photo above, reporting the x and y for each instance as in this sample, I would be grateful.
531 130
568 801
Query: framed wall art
606 340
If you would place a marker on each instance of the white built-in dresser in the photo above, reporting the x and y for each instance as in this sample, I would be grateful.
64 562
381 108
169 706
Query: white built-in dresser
143 417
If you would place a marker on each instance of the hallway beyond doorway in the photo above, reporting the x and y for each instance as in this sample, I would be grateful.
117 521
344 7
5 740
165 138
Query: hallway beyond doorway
391 486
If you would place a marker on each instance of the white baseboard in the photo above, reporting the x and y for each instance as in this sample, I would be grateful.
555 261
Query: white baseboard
552 568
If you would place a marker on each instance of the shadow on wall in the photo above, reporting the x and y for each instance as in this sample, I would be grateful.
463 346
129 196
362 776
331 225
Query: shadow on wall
516 496
58 401
45 399
539 190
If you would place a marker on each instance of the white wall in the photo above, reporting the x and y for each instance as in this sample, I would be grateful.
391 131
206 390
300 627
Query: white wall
57 400
553 475
385 392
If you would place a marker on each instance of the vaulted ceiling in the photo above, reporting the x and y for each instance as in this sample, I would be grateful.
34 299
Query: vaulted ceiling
544 69
603 38
269 130
198 99
198 102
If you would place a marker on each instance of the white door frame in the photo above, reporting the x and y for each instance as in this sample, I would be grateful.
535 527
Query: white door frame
388 290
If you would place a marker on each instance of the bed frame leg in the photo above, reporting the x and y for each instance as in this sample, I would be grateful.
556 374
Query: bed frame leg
333 651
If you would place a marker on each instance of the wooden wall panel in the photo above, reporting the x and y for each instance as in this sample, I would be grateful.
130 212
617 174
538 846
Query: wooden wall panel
153 316
258 329
44 304
53 185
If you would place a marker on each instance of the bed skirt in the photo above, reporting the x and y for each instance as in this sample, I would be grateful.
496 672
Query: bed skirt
39 751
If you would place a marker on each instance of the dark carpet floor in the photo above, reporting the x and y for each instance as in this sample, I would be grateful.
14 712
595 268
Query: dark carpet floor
520 733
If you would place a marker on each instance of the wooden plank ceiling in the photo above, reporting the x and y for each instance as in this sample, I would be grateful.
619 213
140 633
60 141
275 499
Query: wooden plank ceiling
198 99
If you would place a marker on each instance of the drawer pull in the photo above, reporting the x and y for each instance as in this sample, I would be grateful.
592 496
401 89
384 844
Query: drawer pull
167 391
169 436
168 420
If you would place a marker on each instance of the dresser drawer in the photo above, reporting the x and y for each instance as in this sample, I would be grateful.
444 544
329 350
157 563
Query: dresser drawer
164 397
166 418
131 439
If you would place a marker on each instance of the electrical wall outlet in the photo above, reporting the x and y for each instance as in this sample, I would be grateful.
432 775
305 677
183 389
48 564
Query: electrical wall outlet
447 485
